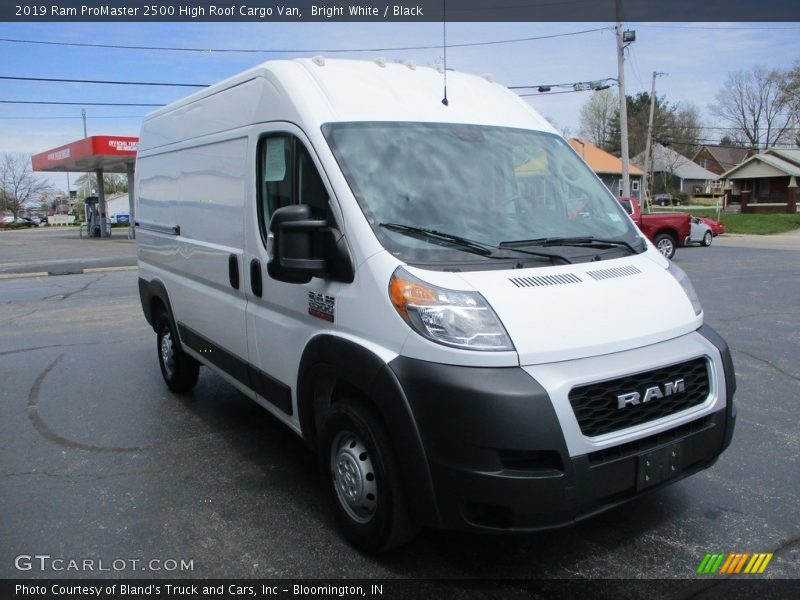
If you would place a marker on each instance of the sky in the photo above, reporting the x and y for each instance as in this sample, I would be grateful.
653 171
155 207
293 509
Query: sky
696 57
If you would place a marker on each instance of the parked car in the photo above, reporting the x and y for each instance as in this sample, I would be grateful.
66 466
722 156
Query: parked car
700 232
667 200
717 228
446 304
26 221
7 220
667 231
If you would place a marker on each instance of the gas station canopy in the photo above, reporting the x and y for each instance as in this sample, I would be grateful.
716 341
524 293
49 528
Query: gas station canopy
111 153
101 154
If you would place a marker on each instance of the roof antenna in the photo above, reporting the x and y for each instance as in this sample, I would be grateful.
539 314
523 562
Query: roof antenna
444 43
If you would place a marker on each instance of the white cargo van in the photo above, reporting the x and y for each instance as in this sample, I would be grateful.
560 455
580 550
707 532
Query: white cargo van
442 299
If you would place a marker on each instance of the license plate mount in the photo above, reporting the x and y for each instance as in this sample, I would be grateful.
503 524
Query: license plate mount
659 465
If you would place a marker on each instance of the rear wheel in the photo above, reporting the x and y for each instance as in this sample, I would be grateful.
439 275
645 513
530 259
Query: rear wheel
180 371
361 479
707 238
665 244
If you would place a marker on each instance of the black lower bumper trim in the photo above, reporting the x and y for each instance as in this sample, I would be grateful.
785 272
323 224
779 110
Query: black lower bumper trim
499 461
504 501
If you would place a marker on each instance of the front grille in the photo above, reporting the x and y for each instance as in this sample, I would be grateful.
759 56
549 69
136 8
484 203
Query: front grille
606 455
597 409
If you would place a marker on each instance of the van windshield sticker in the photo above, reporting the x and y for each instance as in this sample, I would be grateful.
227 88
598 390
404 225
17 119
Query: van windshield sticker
614 217
275 167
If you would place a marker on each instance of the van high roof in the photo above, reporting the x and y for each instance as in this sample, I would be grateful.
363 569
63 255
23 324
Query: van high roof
311 92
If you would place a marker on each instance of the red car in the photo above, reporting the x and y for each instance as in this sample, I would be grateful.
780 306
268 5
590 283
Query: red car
716 226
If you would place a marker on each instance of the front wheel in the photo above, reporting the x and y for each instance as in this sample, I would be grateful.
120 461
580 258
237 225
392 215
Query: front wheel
361 479
180 371
707 238
665 244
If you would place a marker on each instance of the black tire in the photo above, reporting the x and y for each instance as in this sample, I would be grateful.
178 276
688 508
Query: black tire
361 480
707 238
180 371
666 244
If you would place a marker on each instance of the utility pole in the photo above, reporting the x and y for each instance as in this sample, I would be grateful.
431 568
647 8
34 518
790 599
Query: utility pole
623 105
83 114
646 195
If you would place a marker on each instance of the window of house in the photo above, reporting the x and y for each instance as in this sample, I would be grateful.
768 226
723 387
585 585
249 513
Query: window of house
635 185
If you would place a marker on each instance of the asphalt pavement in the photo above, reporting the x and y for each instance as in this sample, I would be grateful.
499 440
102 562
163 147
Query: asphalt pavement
61 251
99 461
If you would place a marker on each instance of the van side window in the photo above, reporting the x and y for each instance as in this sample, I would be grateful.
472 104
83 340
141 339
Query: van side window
287 175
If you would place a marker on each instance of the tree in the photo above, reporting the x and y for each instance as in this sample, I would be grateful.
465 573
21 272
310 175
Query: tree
685 129
18 184
596 116
564 131
790 90
755 102
112 184
674 125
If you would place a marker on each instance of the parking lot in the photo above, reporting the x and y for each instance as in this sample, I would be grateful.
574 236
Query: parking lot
98 460
61 250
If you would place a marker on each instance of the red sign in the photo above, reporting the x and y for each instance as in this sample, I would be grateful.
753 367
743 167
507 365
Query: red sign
109 152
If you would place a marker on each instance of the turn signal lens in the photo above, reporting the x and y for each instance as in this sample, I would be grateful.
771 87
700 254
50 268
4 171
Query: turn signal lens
450 317
687 286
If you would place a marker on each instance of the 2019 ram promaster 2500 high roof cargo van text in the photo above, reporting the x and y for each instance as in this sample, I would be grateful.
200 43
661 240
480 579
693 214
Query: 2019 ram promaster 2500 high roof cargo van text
441 298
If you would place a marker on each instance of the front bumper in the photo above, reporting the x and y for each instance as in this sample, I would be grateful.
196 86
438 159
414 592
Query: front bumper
502 459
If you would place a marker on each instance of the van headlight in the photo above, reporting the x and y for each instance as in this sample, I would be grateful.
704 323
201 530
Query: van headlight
687 286
450 317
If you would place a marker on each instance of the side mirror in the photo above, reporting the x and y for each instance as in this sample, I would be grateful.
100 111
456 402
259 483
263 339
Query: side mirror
300 247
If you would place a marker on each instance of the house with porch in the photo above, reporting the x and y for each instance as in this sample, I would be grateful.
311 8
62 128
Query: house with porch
608 168
765 182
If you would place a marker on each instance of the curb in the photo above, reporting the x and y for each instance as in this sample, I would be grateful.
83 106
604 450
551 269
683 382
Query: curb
76 272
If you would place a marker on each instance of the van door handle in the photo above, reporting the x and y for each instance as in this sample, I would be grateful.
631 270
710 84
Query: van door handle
233 271
255 277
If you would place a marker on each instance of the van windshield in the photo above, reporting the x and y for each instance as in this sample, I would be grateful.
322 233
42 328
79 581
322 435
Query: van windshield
499 187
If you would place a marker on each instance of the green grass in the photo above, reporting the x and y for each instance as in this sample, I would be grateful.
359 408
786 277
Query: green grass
761 224
754 224
712 202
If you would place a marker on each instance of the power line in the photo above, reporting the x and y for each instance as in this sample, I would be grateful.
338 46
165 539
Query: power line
712 28
78 103
299 51
102 81
567 84
73 117
694 141
203 85
711 127
552 93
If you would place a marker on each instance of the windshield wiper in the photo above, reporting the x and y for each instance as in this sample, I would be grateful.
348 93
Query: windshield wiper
566 241
431 235
462 243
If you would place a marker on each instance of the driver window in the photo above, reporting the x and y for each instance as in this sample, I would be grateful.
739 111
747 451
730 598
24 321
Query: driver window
287 175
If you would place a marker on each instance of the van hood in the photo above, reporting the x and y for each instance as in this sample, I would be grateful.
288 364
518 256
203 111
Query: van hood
575 311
